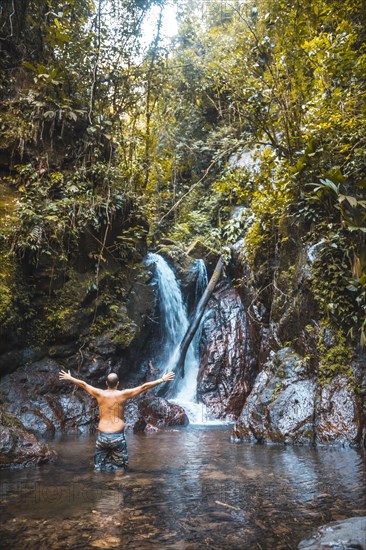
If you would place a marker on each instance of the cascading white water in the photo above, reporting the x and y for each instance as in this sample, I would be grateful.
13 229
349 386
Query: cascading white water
173 312
186 394
201 281
175 323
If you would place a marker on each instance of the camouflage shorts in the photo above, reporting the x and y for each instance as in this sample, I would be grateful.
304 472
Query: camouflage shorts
111 451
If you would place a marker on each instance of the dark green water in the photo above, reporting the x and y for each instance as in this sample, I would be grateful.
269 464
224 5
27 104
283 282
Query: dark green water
186 489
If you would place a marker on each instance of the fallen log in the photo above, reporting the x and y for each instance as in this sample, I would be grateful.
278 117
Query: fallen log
168 388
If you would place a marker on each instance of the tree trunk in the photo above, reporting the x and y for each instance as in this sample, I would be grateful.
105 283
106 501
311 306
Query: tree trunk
168 388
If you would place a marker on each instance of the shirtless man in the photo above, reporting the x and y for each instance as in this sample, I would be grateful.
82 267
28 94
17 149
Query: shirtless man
111 447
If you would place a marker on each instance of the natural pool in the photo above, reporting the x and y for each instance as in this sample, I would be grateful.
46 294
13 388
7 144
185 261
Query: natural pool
186 489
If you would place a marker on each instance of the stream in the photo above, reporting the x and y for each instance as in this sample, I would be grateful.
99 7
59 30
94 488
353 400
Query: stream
187 488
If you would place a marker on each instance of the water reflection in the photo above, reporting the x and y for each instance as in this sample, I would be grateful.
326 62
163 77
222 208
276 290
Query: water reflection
188 488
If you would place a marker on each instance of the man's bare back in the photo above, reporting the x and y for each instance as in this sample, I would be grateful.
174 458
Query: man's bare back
111 411
112 401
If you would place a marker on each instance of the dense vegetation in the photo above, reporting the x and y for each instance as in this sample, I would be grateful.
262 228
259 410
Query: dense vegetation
258 105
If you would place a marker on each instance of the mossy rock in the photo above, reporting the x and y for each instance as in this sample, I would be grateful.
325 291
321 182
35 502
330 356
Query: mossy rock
200 251
175 255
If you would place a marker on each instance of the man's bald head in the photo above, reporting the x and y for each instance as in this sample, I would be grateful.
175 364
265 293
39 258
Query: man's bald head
112 380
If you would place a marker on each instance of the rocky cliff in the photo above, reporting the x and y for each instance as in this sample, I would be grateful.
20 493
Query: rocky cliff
268 360
311 380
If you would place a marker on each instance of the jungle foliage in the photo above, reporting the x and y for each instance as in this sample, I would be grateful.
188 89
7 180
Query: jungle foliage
258 106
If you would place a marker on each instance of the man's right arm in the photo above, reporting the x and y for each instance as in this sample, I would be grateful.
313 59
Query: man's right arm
144 387
95 392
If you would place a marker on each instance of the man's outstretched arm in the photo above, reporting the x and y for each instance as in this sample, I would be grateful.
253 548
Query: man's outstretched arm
63 375
168 377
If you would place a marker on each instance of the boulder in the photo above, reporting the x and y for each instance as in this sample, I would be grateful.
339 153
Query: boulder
338 535
288 405
18 447
281 405
157 412
291 414
286 418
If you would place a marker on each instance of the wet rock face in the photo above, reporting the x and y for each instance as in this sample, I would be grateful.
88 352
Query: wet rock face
228 366
11 360
18 447
288 406
281 405
44 404
336 414
338 535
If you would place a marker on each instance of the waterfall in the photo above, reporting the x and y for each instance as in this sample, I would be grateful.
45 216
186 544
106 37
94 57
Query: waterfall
173 312
174 320
201 280
186 394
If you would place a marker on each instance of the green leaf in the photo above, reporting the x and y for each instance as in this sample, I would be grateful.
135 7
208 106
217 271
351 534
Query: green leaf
351 288
352 201
29 66
330 184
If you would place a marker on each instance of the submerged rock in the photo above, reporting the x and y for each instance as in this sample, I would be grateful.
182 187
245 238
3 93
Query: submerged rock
338 535
18 447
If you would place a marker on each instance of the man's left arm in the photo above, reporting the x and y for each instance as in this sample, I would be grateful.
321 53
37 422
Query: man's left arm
95 392
145 387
